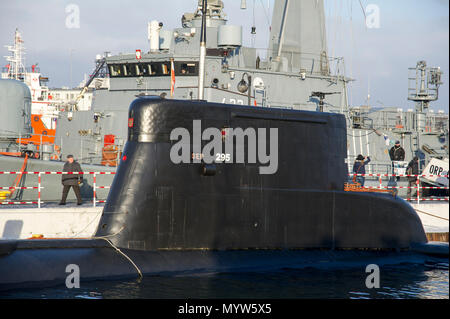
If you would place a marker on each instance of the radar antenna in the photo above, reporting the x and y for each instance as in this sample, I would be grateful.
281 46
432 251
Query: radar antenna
424 85
16 67
321 96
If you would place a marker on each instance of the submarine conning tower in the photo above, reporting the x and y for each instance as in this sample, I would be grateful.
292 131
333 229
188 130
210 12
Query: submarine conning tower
162 199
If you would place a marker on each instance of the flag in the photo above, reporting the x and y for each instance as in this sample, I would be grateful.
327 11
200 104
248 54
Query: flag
172 77
138 54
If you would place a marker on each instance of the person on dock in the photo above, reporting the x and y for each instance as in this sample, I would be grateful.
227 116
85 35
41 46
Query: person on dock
359 168
412 169
71 180
396 153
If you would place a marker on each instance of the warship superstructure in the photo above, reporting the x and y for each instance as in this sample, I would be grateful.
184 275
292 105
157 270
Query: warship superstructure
294 72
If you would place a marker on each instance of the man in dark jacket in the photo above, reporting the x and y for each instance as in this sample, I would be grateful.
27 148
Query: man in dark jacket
396 153
412 169
359 168
71 180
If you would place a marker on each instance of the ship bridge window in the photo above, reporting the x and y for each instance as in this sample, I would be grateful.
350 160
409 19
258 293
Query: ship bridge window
130 69
159 69
186 68
115 70
165 68
140 69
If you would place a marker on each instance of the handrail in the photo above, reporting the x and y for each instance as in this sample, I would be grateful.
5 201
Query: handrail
39 187
95 186
417 182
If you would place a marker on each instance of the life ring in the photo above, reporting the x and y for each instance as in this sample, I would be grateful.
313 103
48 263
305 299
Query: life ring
109 152
56 155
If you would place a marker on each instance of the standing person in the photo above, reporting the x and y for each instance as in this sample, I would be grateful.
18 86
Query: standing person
412 169
359 168
71 180
396 153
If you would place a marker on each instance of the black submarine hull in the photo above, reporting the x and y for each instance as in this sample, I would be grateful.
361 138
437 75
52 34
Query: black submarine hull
44 263
196 216
156 204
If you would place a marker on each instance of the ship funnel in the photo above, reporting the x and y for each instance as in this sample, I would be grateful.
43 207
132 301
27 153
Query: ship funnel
153 35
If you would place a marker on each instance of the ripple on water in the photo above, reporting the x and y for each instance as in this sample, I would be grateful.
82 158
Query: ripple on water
396 282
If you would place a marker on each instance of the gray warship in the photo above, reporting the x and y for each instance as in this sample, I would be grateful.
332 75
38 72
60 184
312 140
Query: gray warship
295 72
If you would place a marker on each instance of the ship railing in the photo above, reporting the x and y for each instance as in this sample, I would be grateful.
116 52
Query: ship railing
39 186
382 167
40 152
418 186
27 70
87 145
380 177
400 120
309 63
374 167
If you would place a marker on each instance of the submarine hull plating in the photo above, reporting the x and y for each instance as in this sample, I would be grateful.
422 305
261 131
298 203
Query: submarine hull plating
156 204
45 263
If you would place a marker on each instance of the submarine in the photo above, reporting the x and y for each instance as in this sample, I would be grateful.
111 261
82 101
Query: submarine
213 187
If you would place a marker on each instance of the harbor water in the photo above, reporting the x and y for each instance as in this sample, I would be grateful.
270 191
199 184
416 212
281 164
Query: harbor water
405 281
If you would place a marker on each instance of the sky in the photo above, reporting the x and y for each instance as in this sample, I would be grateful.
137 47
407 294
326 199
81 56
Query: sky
377 54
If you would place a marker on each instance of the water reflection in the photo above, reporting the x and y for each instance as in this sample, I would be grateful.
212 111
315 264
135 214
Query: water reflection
402 281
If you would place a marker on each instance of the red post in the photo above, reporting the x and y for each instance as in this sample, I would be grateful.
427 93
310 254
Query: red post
418 188
39 190
94 187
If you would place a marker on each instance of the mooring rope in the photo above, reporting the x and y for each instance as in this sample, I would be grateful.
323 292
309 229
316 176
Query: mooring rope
431 214
105 238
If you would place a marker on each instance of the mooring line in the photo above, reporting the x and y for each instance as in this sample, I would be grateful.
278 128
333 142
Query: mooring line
431 214
129 259
121 252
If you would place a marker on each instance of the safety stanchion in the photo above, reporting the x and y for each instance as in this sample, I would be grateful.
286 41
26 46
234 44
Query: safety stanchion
417 186
39 186
39 190
94 186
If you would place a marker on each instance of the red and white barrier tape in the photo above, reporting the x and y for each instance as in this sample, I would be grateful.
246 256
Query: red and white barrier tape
18 203
60 173
427 199
412 187
397 175
39 187
12 187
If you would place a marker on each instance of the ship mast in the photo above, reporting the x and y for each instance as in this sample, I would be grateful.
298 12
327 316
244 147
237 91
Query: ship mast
201 75
283 27
16 68
423 88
